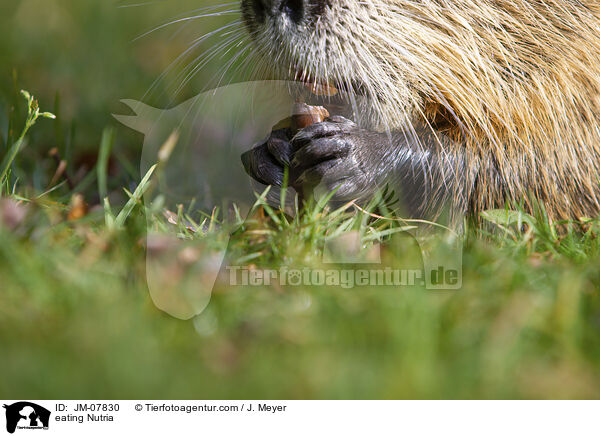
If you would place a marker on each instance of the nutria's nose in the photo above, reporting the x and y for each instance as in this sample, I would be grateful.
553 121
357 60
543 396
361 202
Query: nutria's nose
293 9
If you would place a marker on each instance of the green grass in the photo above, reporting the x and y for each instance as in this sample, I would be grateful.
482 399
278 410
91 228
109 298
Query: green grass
77 320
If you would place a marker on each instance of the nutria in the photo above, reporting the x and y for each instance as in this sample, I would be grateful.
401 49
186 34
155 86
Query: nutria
467 104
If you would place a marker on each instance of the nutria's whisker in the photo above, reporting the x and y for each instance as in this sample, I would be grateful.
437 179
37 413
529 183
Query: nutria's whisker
200 61
181 20
193 45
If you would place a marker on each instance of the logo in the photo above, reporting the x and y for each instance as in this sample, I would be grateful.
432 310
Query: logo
26 415
197 146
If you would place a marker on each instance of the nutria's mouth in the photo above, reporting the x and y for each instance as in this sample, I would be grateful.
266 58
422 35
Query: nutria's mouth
329 87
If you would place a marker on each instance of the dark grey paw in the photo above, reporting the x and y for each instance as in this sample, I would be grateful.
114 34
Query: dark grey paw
334 155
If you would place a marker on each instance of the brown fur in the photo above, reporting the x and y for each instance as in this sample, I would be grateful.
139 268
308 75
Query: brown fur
515 84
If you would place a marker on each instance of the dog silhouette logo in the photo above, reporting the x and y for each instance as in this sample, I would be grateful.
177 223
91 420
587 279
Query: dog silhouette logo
26 415
196 148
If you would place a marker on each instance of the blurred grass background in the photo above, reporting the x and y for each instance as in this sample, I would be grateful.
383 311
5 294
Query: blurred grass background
82 57
76 320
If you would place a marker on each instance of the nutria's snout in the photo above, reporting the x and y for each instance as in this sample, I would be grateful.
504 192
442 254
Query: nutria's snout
294 10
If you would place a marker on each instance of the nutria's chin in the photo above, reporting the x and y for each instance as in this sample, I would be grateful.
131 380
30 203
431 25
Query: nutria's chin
488 101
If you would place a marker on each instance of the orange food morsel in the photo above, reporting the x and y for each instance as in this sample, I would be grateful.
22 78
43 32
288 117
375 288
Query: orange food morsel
304 115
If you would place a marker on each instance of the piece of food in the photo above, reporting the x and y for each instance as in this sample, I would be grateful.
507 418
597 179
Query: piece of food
304 115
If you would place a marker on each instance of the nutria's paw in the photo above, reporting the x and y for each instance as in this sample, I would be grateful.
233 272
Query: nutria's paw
334 156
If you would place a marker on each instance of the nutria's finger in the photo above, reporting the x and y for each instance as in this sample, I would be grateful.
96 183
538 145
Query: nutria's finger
319 130
280 147
262 166
320 150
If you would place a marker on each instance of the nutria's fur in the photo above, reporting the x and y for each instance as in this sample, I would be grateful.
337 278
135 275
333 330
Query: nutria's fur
491 100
